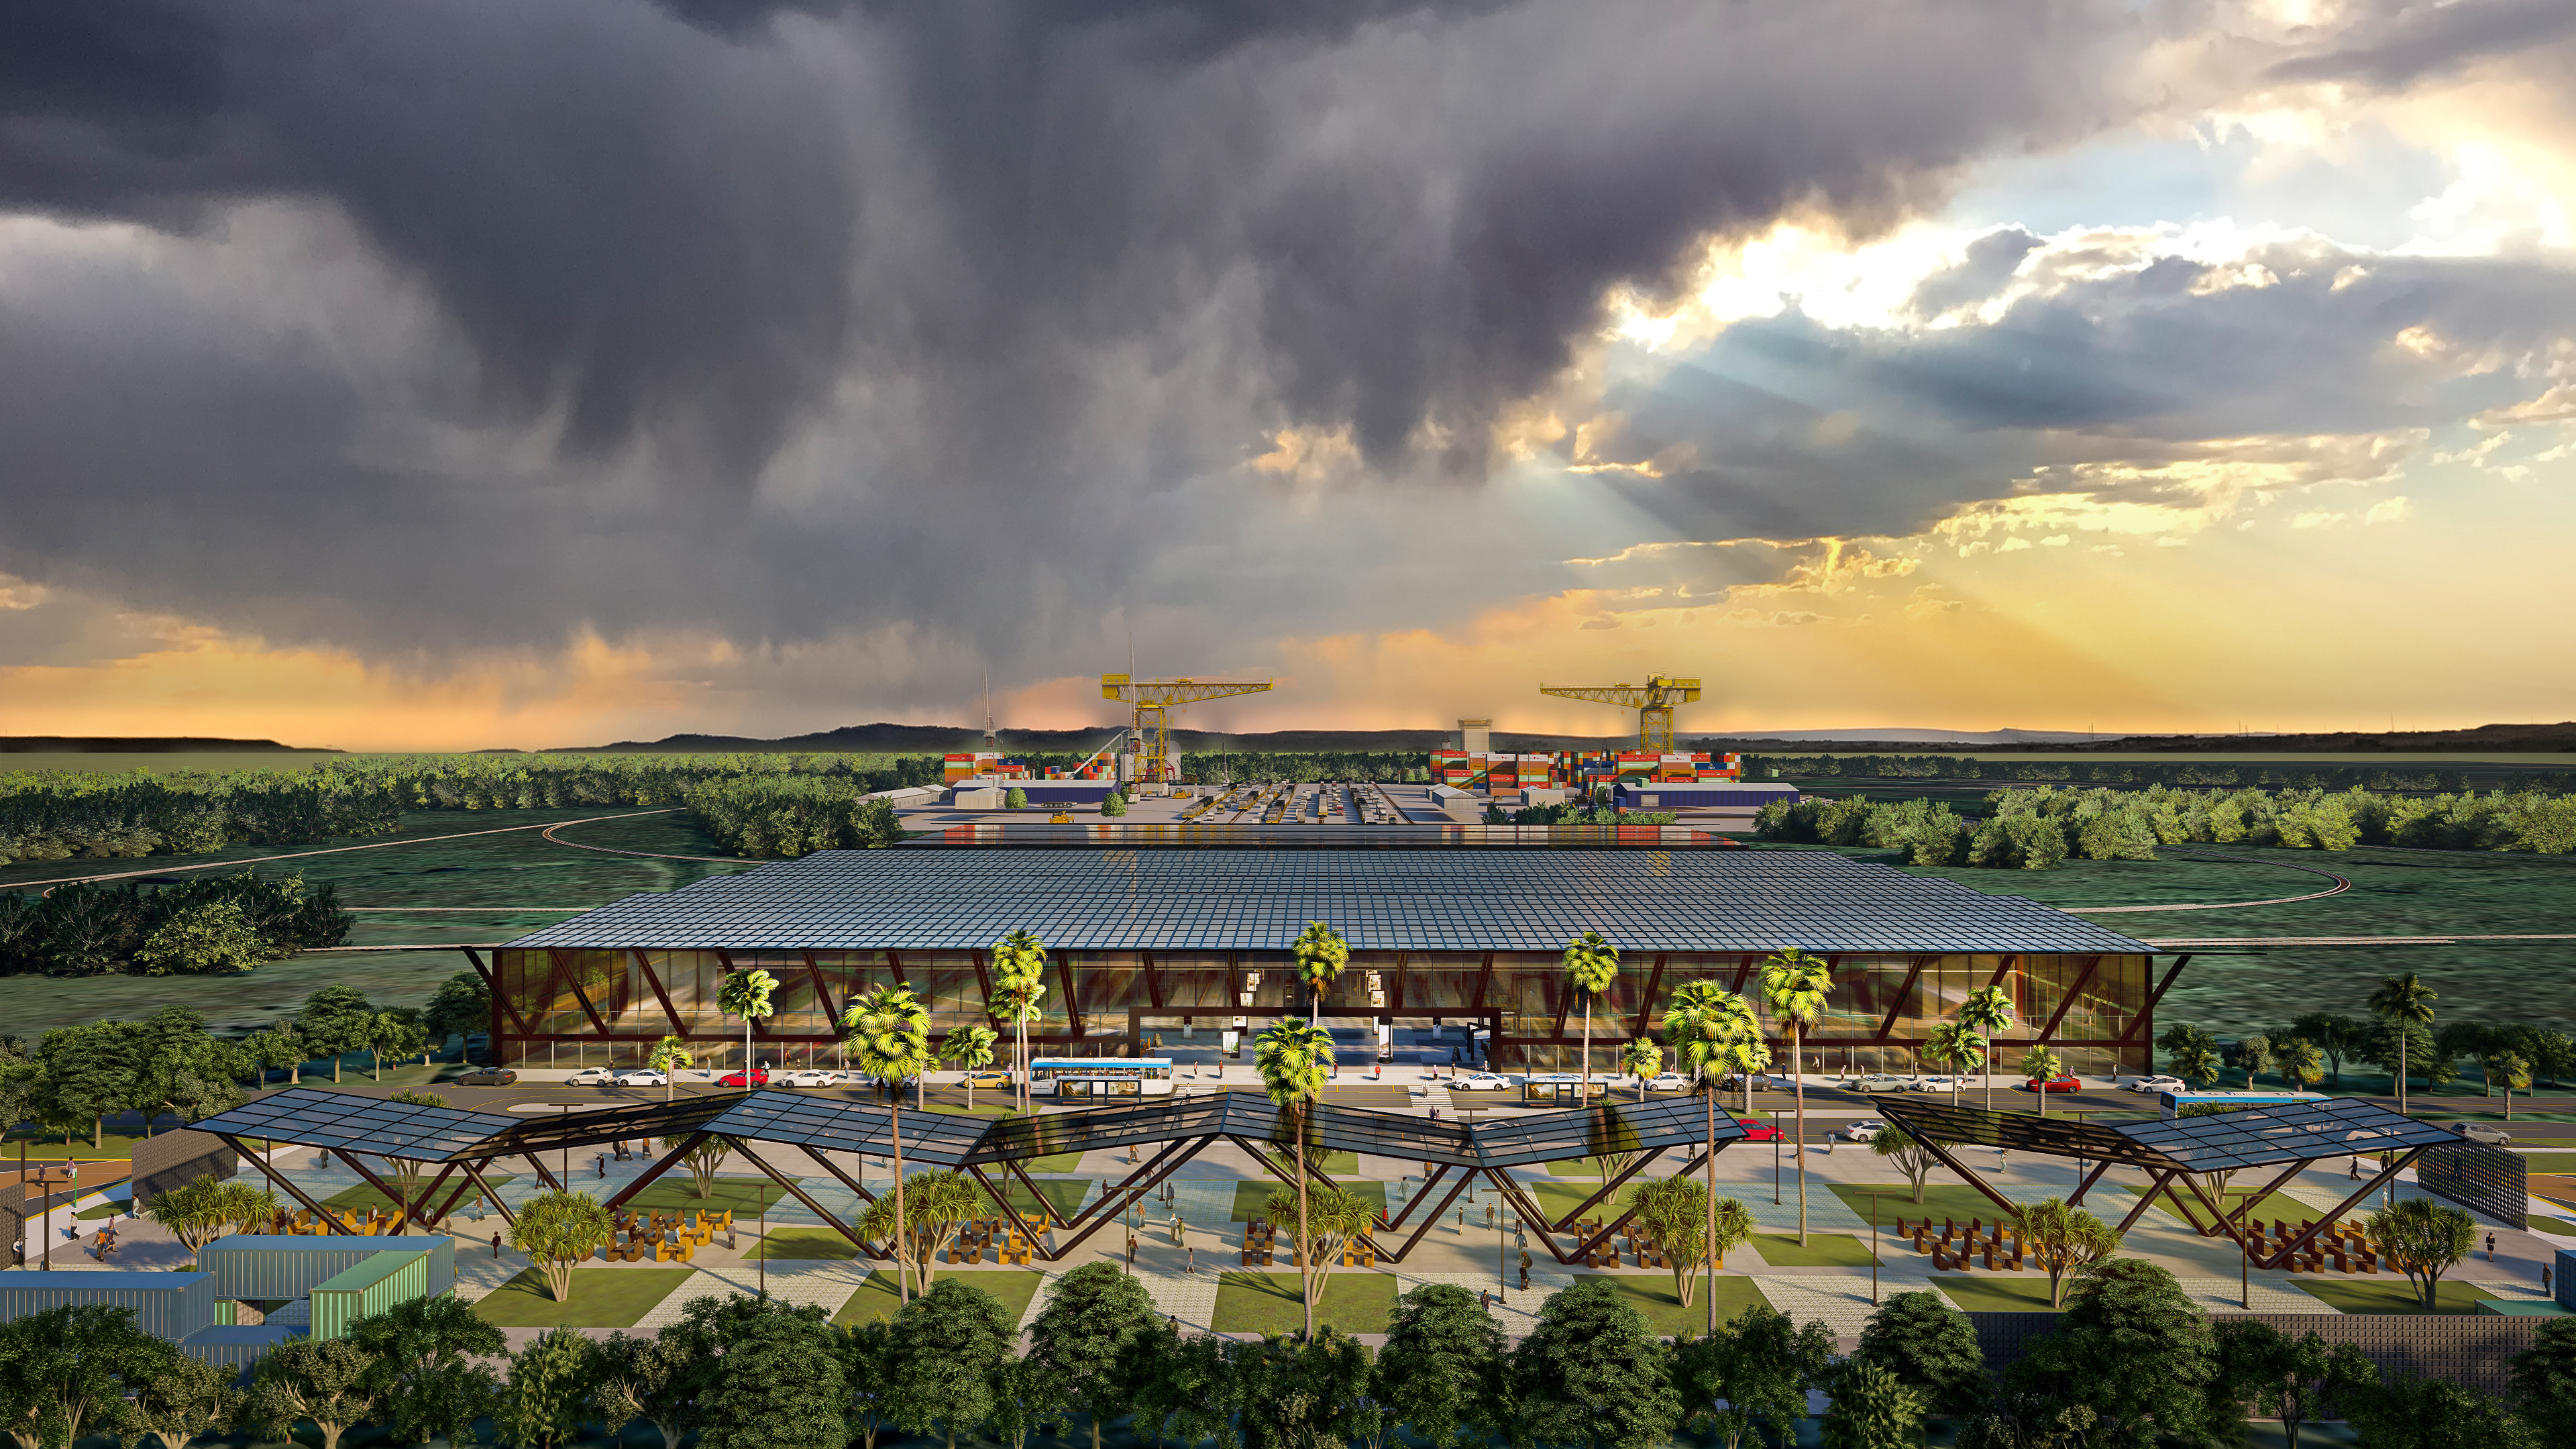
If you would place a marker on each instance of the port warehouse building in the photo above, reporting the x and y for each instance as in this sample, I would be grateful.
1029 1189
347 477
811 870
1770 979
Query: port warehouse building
1144 940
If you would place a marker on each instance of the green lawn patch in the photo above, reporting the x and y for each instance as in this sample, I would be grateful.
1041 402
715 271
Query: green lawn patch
1996 1292
2388 1295
796 1241
52 1146
1252 1197
1955 1200
601 1298
749 1197
1064 1198
364 1196
1653 1297
1556 1199
1356 1300
2555 1226
1335 1165
2279 1205
1013 1287
1822 1250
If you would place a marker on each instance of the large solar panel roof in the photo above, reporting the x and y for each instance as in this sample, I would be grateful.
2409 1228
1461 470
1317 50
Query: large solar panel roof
1249 900
2289 1132
310 1117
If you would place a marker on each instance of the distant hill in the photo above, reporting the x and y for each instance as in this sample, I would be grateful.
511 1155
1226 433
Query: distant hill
941 739
146 745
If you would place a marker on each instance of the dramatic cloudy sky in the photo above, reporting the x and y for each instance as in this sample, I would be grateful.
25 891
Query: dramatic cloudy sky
477 372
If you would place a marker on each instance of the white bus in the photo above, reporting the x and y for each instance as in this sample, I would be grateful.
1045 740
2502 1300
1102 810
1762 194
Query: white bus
1089 1077
2172 1103
1561 1086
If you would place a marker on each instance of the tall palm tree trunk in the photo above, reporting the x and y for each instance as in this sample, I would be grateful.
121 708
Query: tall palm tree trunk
1587 1050
2402 1034
1798 1081
902 1282
1305 1248
1709 1244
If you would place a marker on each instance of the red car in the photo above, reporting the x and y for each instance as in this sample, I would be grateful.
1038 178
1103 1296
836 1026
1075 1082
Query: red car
2055 1084
1757 1131
759 1078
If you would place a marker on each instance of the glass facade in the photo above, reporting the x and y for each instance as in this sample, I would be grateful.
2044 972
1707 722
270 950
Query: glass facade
594 1007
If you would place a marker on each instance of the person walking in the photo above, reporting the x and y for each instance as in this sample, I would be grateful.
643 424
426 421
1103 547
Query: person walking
496 1246
1190 1267
1131 1250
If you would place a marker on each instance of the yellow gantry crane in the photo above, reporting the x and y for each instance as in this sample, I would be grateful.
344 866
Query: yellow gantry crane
1653 701
1156 701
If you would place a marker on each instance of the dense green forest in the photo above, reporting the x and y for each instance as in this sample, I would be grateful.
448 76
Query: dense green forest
224 924
2037 829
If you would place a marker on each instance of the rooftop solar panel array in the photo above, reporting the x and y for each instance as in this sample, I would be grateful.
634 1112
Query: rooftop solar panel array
1226 900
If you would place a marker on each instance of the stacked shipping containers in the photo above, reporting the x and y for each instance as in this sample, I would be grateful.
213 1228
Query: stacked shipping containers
369 1288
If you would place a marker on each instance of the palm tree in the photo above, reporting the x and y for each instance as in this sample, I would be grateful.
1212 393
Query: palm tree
1956 1046
1989 1013
1795 984
2404 1002
2510 1071
887 1033
1294 1060
670 1057
1321 954
971 1048
746 994
1698 1027
1746 1054
1019 984
2041 1065
2302 1061
1591 964
1641 1059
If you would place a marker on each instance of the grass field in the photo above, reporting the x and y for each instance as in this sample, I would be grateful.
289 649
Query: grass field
678 1193
1014 1287
1251 1197
798 1243
364 1196
2388 1295
1822 1250
1355 1300
2024 1292
1064 1197
601 1298
1335 1165
1940 1199
1653 1297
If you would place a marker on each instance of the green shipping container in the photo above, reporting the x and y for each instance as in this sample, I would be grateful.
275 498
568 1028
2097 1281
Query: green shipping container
369 1288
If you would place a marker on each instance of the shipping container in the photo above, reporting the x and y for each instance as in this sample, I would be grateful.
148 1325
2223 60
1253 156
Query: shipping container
237 1348
166 1305
368 1289
260 1265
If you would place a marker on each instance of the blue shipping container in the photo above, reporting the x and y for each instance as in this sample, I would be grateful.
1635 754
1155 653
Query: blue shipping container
166 1305
261 1265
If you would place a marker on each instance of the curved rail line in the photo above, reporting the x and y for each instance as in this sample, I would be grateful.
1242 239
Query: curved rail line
645 854
2339 887
338 850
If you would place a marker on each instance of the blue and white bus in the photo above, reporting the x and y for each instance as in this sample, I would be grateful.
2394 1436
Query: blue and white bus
2172 1103
1561 1086
1088 1077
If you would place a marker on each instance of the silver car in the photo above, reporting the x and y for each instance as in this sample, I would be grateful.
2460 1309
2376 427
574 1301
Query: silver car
2481 1132
1883 1082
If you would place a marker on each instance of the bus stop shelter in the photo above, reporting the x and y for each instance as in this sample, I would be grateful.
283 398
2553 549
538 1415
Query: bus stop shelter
2186 1155
351 1127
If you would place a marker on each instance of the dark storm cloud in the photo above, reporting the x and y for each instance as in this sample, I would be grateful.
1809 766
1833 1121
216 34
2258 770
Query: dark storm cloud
839 315
2414 42
1794 429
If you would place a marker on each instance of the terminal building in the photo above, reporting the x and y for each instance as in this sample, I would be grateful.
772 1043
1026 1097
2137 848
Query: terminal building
1184 943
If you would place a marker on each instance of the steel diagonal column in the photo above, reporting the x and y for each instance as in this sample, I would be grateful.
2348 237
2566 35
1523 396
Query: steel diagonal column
1439 1171
1046 1204
543 1176
1955 1165
555 969
788 1183
2220 1225
448 1207
645 965
280 1179
843 1178
474 1170
375 1182
2083 979
500 1002
2076 1199
1137 1189
1528 1210
1896 1006
2309 1234
654 1173
822 989
1136 1183
1002 1200
1613 1185
1433 1220
2145 1018
1584 1250
2157 1181
2269 1188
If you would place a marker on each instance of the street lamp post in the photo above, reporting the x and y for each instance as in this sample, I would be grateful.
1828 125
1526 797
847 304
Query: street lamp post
1775 1155
1875 1242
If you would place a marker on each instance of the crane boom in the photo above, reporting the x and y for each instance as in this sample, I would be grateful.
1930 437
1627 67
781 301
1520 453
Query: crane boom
1653 701
1155 702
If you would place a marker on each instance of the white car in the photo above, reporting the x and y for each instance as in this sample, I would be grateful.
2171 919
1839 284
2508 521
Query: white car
644 1077
1668 1082
590 1077
1480 1082
2158 1084
1933 1084
804 1079
1864 1130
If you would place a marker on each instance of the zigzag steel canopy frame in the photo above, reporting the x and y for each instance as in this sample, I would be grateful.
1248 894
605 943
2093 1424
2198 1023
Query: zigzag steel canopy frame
2178 1153
346 1122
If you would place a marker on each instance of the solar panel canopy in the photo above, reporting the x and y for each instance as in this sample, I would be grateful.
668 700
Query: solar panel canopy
1247 900
2292 1132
